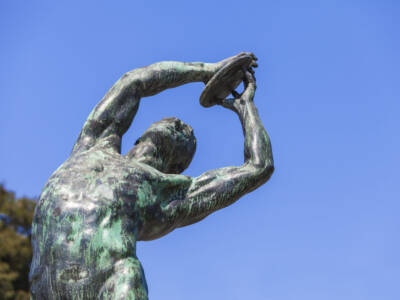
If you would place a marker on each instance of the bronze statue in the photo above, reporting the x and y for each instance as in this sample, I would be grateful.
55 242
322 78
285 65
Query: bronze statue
98 203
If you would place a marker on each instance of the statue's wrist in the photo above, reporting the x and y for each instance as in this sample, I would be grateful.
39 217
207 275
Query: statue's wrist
243 107
209 70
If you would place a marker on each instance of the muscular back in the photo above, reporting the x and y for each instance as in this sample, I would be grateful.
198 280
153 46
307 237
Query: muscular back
89 216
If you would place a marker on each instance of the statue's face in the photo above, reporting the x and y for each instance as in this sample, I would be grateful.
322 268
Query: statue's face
168 146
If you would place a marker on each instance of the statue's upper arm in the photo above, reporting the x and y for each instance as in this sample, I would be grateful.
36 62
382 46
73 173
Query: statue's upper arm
207 193
183 200
160 213
111 117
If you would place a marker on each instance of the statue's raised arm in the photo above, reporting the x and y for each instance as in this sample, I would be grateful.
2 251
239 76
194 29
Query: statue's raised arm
221 187
189 200
113 115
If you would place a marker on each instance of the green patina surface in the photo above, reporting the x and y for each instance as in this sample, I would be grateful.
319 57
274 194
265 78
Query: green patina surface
98 203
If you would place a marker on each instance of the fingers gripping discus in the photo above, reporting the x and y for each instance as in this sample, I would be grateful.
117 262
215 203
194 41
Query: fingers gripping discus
224 81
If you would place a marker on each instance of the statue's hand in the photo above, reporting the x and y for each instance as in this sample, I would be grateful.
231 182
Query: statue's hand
252 63
237 103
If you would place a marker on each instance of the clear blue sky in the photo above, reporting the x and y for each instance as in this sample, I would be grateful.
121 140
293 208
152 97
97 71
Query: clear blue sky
326 226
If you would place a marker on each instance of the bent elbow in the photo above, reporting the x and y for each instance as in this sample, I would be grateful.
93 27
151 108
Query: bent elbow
267 172
263 171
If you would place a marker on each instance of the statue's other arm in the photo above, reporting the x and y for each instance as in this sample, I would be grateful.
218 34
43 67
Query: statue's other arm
219 188
113 115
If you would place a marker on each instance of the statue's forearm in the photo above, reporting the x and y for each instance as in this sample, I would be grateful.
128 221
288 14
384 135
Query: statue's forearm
219 188
157 77
118 107
257 145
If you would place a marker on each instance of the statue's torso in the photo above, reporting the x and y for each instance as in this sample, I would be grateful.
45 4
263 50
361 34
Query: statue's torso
87 218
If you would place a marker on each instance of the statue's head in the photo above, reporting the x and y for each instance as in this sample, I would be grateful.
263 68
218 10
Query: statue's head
167 145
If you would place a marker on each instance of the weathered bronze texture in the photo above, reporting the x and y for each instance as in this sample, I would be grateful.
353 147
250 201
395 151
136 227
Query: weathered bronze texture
98 203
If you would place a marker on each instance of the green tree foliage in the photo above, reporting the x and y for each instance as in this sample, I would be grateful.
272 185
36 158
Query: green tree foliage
15 247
